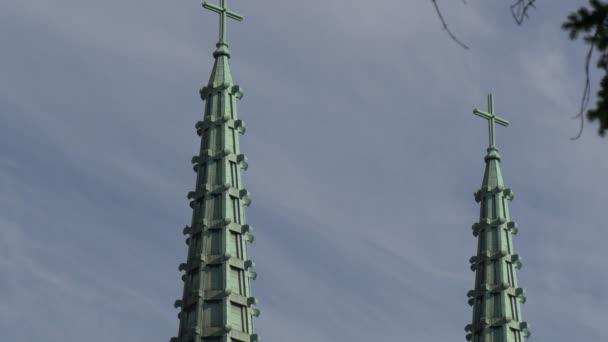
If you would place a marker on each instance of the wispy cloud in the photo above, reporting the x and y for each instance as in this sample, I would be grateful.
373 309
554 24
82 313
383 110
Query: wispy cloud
363 155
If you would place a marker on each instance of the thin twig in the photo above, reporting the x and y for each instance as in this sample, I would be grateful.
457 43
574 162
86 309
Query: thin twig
445 26
520 8
587 91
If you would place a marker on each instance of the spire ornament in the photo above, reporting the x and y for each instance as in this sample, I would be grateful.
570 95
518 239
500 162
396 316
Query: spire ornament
492 118
224 13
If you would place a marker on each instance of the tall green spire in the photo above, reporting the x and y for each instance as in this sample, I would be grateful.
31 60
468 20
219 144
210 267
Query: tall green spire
496 298
217 305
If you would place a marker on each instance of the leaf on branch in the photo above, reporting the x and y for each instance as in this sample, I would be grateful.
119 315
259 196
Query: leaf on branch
586 21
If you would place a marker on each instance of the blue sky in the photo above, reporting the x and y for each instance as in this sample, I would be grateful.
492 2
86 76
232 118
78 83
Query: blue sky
363 152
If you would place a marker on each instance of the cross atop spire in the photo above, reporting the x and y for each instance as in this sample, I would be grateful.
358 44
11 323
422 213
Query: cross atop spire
491 117
223 12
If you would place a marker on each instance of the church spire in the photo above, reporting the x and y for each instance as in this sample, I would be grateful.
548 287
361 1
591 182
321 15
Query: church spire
217 305
496 298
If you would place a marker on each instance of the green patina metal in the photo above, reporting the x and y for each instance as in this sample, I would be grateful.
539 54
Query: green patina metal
224 13
217 305
496 298
492 118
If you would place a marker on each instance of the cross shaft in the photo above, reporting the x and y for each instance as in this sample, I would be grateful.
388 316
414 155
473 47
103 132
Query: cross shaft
492 118
224 13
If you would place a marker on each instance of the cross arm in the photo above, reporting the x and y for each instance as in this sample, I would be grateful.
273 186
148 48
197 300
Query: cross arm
220 10
489 116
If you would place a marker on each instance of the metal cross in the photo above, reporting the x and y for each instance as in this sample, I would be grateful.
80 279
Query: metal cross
491 117
223 12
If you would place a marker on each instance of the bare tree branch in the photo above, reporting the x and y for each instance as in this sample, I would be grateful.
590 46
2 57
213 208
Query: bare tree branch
587 91
520 8
445 26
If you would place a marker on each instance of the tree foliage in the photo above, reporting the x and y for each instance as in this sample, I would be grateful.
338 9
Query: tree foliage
592 22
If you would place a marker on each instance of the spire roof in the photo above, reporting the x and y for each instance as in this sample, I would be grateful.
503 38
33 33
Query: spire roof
496 297
217 304
221 75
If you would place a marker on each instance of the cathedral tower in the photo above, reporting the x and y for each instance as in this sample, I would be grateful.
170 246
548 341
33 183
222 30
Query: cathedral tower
496 298
217 305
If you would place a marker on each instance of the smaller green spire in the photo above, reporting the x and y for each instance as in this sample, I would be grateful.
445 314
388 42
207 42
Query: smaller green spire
496 297
223 12
491 117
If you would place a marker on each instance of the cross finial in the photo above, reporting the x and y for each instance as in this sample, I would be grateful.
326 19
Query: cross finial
223 12
491 117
